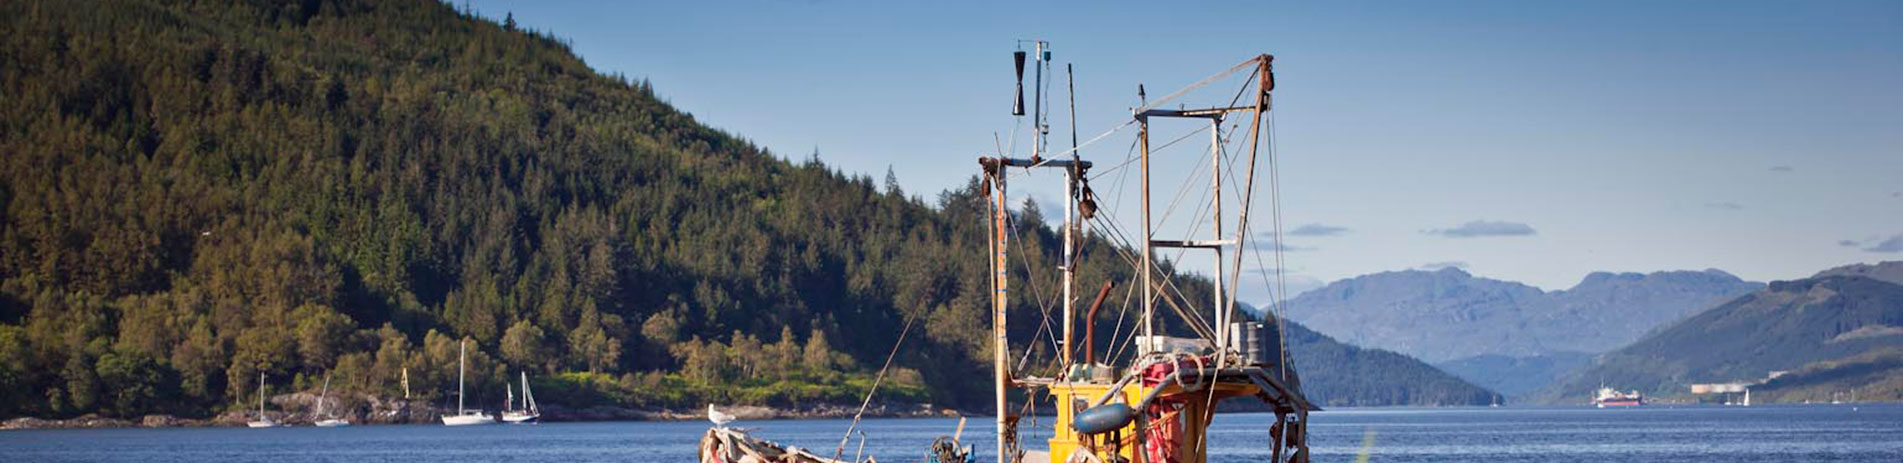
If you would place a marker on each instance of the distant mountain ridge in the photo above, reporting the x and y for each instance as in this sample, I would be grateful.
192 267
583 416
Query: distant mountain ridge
1841 330
1449 314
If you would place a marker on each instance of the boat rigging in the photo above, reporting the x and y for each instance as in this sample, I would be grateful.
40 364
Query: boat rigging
1156 404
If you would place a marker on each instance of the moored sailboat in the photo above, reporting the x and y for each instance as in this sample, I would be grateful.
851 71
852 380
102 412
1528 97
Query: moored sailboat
263 421
529 413
322 421
464 417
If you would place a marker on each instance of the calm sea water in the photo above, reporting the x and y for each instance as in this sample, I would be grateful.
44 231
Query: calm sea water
1872 433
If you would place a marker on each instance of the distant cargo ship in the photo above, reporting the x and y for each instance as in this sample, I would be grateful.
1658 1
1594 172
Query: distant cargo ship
1606 397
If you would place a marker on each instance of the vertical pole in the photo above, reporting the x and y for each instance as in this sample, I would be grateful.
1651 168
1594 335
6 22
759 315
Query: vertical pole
1215 187
1248 189
1070 221
1037 109
1000 280
1149 303
461 349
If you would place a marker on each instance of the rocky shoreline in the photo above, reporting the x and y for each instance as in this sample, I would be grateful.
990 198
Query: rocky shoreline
299 410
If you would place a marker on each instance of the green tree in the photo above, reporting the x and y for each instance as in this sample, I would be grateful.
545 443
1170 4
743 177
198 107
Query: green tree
817 357
133 384
322 335
590 342
199 360
523 345
82 384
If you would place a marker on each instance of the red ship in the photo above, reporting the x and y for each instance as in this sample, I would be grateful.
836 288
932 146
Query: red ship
1611 398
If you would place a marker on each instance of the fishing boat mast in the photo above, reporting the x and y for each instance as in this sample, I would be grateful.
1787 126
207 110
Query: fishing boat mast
1229 363
999 211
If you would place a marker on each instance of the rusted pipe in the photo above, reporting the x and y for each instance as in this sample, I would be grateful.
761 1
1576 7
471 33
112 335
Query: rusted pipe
1090 323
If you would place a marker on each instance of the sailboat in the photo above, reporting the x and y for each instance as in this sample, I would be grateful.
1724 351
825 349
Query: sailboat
464 417
1151 396
262 421
323 422
529 413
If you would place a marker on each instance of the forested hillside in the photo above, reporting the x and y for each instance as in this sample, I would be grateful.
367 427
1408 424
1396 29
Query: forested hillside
1338 374
199 192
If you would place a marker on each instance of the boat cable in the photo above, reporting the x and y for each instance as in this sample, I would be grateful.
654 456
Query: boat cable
1166 288
1044 305
1167 285
1281 278
909 319
1126 162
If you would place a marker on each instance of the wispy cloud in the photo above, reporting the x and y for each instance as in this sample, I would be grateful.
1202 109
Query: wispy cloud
1725 205
1442 265
1892 244
1783 169
1265 242
1316 229
1483 228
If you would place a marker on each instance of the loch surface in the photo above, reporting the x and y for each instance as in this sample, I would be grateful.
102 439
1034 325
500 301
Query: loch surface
1872 433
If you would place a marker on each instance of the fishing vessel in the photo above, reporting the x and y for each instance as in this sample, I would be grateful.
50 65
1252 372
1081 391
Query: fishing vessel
1149 394
529 413
263 420
1609 397
324 419
464 417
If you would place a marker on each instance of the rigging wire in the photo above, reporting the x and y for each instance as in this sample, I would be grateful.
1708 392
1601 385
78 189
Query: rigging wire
875 385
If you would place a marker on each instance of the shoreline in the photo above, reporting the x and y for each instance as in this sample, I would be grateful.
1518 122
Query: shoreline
403 413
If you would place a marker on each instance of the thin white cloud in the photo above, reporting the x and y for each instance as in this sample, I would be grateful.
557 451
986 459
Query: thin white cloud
1483 228
1316 229
1725 205
1442 265
1265 242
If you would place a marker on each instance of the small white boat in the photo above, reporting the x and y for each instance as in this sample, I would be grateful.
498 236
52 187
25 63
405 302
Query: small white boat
464 417
529 413
332 422
262 421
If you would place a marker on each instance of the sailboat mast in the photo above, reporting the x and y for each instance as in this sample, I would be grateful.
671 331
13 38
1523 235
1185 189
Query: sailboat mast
260 396
461 351
321 395
528 397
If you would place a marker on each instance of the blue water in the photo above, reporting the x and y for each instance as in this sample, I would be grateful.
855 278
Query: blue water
1872 433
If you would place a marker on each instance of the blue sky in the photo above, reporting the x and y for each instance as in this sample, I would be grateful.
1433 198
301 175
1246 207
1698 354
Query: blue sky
1527 141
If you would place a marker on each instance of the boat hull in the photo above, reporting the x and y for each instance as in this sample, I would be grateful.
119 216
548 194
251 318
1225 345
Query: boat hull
332 423
1621 403
261 424
467 420
521 418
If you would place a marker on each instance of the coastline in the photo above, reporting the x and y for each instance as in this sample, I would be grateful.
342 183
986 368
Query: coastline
375 411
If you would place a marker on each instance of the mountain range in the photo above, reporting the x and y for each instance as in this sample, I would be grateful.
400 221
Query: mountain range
1507 336
1837 333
